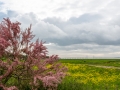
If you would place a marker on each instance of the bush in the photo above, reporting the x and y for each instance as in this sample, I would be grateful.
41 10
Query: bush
24 64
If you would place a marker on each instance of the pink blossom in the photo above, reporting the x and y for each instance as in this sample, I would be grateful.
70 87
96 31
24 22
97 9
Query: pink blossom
24 56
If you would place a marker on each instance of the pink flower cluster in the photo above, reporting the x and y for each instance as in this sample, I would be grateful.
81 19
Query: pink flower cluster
26 62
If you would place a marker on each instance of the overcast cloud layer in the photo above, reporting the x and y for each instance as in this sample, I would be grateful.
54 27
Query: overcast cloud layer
71 28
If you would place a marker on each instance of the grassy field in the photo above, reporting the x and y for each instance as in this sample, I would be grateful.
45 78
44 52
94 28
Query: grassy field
104 62
82 76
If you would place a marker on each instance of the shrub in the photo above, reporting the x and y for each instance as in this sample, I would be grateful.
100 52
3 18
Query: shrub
24 64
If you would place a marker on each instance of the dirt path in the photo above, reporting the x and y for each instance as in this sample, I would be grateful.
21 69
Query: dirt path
104 66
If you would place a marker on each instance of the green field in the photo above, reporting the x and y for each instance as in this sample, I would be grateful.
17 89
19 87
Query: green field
104 62
83 76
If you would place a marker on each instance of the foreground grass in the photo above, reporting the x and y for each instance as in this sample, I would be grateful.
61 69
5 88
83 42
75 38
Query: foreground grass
85 77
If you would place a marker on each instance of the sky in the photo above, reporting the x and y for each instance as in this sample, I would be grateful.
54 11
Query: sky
71 28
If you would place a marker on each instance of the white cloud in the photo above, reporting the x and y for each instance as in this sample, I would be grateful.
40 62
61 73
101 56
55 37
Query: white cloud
56 8
70 27
41 29
46 30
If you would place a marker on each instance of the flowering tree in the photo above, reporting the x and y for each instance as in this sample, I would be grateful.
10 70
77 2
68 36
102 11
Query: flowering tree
23 64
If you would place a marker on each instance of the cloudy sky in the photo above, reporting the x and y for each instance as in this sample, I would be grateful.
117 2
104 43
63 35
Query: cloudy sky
71 28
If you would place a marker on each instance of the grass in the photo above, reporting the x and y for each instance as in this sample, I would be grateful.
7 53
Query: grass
104 62
85 77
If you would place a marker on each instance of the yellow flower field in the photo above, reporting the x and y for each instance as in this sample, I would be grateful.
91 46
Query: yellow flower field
92 78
